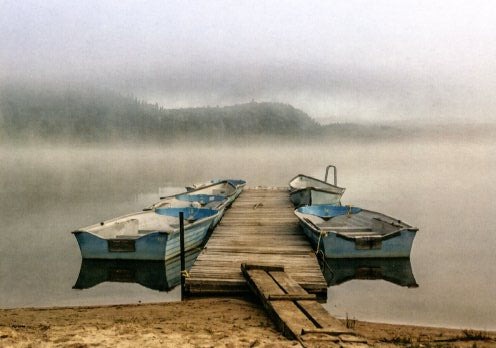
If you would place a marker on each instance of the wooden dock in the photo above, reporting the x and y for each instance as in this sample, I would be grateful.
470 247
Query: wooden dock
260 228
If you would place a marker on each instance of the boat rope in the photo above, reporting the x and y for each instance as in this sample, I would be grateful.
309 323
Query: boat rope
185 274
321 233
322 259
349 210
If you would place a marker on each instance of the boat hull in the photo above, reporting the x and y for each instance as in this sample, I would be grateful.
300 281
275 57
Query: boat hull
218 217
236 183
152 246
310 196
175 203
336 246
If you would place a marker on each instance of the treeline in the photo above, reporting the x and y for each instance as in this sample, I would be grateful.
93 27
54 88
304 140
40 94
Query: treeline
96 116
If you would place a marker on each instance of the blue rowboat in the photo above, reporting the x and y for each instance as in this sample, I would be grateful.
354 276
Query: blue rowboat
222 188
216 196
157 275
305 190
237 183
395 270
192 199
350 232
147 235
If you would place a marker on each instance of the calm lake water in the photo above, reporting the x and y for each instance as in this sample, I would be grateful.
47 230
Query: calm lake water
447 189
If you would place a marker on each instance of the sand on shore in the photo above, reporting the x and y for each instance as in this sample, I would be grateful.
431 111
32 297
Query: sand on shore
206 322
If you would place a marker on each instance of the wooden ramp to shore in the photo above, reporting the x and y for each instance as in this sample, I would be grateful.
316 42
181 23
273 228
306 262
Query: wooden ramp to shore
260 227
296 313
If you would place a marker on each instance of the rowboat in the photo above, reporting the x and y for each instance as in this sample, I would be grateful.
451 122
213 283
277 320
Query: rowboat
192 199
217 196
394 270
147 235
222 188
237 183
156 275
306 190
351 232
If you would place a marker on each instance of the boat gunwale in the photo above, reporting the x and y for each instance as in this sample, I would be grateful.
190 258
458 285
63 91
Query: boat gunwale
153 207
318 230
293 189
174 230
204 185
202 188
222 206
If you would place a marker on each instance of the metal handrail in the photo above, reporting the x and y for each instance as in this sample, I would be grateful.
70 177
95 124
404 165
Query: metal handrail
335 174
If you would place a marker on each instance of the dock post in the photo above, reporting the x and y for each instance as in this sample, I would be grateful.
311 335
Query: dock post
183 262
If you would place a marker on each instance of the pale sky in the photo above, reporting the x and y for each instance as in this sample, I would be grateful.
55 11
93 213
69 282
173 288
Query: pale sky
344 60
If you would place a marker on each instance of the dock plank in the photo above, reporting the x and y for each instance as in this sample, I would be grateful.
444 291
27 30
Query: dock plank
295 312
260 225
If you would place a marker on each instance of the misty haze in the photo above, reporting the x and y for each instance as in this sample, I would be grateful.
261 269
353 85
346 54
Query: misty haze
107 106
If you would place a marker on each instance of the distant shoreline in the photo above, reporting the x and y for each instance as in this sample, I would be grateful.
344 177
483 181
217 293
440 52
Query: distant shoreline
93 116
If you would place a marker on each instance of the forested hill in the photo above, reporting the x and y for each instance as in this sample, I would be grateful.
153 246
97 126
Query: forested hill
96 116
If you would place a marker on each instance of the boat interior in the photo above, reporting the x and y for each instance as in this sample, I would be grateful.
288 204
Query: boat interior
301 181
136 225
133 226
234 182
350 222
198 198
223 188
192 200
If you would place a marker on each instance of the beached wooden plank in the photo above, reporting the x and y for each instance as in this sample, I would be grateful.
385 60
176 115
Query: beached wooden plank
292 297
284 313
287 283
322 317
295 312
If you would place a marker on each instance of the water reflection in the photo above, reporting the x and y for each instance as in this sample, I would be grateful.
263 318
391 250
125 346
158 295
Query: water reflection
395 270
155 275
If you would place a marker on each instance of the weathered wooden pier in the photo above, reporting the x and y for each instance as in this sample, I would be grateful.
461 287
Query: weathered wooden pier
260 228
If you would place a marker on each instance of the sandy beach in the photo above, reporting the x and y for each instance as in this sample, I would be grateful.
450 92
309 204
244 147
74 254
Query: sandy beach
206 322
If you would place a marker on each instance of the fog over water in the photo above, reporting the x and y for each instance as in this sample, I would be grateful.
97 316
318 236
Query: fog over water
343 60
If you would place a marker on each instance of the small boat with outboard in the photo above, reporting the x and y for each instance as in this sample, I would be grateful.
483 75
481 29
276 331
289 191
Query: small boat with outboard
350 232
306 190
146 235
